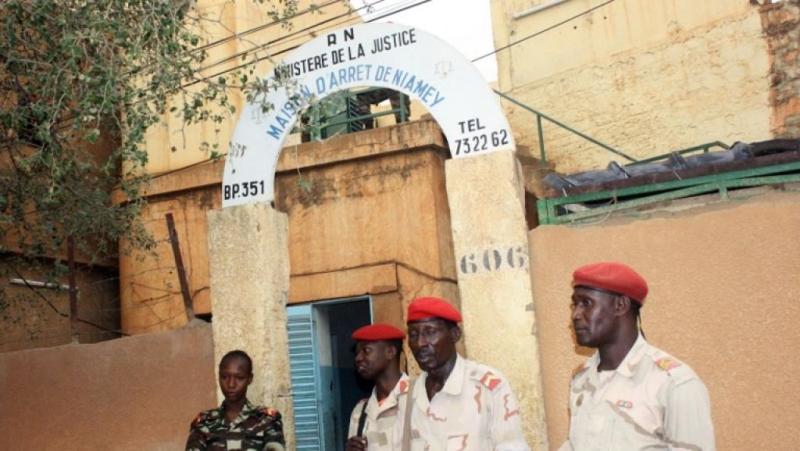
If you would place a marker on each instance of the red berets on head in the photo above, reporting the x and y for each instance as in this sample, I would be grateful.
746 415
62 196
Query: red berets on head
430 307
378 332
614 277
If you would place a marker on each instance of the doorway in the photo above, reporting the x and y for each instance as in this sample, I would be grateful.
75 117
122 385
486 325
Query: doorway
325 385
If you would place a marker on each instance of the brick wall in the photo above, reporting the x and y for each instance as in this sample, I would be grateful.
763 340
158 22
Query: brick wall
781 23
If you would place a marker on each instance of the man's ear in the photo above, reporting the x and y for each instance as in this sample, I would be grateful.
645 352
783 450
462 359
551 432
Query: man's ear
390 351
622 305
455 332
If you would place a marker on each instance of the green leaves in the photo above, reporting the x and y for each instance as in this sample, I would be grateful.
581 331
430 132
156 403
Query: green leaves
81 82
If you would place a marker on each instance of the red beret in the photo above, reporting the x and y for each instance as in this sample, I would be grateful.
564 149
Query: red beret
614 277
377 332
430 307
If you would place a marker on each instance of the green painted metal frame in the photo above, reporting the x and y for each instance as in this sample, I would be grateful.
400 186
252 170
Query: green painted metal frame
704 147
540 130
541 117
659 192
402 110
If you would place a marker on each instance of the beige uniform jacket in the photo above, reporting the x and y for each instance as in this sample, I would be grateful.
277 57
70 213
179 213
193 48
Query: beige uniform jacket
651 401
475 411
384 424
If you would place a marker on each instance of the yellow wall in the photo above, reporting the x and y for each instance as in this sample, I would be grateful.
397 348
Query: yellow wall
150 291
169 145
380 191
646 77
724 283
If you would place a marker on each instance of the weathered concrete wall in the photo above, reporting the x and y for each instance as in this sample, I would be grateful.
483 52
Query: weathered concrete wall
382 191
40 317
248 252
171 145
724 284
150 291
645 77
390 207
133 393
781 23
490 240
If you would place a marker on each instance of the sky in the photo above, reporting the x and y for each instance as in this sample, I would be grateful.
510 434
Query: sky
464 24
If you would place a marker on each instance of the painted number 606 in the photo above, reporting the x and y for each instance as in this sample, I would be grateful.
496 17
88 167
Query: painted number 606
495 259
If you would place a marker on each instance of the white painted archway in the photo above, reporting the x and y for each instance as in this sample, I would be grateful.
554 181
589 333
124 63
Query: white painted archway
248 239
392 56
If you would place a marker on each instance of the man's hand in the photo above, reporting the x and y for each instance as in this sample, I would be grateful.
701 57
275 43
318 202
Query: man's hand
356 444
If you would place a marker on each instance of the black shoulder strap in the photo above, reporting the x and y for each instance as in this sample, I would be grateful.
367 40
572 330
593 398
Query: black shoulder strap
362 419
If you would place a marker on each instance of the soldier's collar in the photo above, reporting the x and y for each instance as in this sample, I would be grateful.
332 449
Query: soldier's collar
246 408
455 380
247 405
633 357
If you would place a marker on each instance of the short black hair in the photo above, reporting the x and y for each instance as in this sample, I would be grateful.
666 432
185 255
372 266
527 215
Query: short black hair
450 324
238 354
398 345
636 308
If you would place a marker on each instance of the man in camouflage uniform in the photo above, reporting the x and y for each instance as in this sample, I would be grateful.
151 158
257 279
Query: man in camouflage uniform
236 424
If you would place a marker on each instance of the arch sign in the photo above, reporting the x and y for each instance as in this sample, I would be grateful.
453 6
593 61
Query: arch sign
393 56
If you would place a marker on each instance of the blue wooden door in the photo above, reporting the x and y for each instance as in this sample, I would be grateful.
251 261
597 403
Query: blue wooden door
319 336
326 379
305 378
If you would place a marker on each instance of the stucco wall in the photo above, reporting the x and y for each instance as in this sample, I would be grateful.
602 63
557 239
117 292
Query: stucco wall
136 393
389 208
724 283
171 145
381 191
644 77
40 317
150 292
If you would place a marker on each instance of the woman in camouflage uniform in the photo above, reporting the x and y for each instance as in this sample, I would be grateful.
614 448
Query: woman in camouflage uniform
236 424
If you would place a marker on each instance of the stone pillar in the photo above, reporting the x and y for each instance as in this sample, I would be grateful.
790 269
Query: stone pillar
249 278
490 240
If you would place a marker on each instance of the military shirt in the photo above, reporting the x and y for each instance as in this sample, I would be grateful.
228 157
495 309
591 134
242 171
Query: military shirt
651 401
383 427
255 429
474 411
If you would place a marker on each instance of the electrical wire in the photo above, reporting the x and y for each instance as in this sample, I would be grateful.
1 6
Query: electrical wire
533 35
309 30
263 26
289 49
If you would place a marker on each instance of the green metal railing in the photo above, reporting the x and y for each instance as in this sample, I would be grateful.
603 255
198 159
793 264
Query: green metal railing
351 121
704 147
540 117
556 211
552 211
402 111
540 129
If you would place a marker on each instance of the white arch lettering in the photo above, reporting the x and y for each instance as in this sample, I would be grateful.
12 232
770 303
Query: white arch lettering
381 55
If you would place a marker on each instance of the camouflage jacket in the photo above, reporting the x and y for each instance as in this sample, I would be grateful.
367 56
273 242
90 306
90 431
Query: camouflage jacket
255 429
